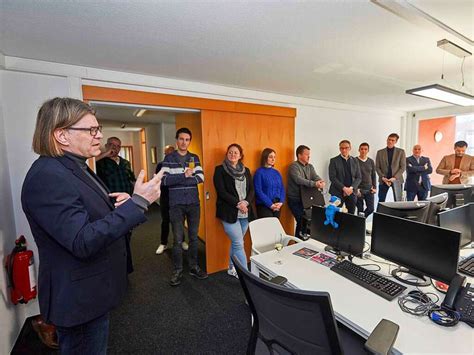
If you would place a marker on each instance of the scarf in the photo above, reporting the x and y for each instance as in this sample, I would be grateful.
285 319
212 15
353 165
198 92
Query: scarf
237 173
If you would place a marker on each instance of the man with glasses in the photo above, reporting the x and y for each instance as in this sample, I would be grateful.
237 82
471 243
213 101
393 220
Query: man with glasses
117 174
344 174
115 171
79 227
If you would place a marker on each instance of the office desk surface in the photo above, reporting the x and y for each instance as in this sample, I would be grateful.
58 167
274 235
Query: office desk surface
360 309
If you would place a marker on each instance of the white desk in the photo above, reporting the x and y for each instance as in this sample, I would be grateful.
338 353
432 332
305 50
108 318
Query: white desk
360 309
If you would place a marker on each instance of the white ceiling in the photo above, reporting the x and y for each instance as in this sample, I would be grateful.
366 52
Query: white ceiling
344 51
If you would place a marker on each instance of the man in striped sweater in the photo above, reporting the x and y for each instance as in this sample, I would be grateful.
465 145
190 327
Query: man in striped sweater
182 173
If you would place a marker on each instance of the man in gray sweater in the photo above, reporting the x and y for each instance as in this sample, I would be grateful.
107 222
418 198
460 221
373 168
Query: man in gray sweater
367 187
301 173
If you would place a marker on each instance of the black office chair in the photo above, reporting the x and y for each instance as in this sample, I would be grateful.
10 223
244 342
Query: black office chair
288 321
438 203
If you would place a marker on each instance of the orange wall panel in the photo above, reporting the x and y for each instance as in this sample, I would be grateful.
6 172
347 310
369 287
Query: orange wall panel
436 150
253 133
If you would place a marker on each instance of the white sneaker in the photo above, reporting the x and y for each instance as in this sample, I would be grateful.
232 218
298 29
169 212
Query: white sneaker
232 272
161 249
184 245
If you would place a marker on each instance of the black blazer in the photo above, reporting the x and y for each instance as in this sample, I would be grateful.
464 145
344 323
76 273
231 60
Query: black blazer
81 241
415 170
227 196
337 173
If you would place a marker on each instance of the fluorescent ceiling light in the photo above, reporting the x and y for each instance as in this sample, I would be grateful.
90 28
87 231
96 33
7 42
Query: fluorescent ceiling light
140 112
443 93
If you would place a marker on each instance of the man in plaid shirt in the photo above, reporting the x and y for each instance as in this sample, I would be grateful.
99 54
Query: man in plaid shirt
118 176
114 170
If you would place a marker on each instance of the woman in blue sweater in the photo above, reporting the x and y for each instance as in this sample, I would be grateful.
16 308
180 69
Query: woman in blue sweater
269 189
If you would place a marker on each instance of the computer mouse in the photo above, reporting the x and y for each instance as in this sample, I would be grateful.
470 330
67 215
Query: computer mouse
420 296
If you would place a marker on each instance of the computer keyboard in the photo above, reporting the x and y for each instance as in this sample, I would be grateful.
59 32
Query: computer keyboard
465 304
368 279
466 266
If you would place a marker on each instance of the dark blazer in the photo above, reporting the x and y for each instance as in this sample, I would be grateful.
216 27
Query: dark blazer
80 238
337 173
415 170
398 164
227 196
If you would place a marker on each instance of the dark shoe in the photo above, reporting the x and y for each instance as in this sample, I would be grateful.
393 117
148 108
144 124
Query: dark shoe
46 332
176 278
198 273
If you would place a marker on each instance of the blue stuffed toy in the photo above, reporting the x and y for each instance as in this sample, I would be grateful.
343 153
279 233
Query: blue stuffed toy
331 211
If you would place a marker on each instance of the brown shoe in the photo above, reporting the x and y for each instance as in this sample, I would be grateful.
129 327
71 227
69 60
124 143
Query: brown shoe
46 332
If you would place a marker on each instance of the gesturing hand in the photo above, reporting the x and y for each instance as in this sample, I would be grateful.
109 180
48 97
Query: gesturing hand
150 190
120 198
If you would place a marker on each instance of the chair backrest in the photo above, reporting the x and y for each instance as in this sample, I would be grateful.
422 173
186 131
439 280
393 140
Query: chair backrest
438 202
300 322
265 233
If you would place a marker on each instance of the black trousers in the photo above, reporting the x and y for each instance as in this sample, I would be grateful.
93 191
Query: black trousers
165 218
264 211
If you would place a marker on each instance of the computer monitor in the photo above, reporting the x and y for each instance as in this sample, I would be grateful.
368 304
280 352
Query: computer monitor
458 194
437 203
412 210
460 219
349 237
423 249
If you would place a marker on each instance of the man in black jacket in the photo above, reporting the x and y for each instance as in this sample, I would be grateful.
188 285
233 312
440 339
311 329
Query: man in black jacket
344 174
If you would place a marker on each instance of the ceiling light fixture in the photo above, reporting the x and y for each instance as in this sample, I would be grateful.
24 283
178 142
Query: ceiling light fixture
140 112
443 93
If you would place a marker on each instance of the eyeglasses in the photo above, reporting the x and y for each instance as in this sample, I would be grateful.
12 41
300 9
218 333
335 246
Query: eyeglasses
92 130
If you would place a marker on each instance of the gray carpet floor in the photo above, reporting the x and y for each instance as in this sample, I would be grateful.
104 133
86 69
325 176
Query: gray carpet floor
196 317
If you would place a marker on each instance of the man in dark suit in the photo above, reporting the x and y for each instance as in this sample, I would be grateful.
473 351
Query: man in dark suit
418 175
79 227
344 174
390 164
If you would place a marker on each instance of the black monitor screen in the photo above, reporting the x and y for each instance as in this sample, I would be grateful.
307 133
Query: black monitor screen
413 210
349 237
460 219
458 194
422 248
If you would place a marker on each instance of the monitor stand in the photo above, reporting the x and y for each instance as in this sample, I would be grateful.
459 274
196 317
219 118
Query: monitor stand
420 282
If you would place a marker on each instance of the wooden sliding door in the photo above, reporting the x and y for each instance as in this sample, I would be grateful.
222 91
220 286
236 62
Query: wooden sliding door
221 123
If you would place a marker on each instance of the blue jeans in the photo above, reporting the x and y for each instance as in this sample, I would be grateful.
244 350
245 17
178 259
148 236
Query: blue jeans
236 232
296 208
396 189
178 214
88 338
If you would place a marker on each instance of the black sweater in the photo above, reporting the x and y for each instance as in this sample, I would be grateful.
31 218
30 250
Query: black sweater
227 196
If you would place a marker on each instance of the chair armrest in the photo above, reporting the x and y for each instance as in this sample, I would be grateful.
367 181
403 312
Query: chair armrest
255 251
382 338
288 238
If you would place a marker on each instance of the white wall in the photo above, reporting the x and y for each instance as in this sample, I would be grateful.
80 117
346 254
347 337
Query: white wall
153 139
319 124
22 95
322 129
11 318
169 134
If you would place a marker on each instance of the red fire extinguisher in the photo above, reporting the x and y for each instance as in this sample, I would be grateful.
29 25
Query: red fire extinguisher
21 273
